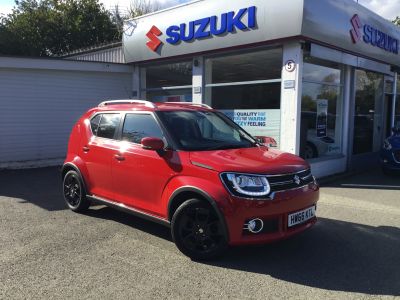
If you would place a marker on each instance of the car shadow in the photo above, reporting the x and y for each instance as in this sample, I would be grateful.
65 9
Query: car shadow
108 213
334 255
41 187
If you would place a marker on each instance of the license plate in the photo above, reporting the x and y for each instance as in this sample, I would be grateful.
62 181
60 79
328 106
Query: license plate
302 216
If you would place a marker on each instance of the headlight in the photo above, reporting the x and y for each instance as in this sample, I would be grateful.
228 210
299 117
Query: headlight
246 185
387 145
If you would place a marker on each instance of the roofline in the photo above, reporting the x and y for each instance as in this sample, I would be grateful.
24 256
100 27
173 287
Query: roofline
40 63
91 49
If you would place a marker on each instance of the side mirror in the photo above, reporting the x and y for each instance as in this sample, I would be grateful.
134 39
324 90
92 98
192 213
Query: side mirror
152 143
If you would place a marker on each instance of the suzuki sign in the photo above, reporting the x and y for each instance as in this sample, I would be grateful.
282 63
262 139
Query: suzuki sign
207 25
204 28
370 35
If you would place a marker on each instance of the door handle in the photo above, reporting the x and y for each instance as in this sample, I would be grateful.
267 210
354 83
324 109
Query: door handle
85 149
119 157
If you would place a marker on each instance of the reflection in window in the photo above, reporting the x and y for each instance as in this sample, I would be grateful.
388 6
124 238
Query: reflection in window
397 112
255 96
257 65
175 74
94 124
368 112
321 111
319 73
138 126
174 95
247 87
108 125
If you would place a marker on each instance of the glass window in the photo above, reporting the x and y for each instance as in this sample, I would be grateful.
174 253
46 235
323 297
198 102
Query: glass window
138 126
173 95
108 125
368 112
200 131
247 88
94 123
397 112
388 87
321 111
175 74
251 66
252 96
316 70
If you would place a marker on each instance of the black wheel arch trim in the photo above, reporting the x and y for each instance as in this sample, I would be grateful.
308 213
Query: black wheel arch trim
75 168
206 196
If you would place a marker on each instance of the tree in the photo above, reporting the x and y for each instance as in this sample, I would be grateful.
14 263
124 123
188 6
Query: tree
142 7
53 27
135 9
397 21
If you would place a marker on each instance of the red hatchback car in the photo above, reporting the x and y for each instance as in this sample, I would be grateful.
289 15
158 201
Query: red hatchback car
189 167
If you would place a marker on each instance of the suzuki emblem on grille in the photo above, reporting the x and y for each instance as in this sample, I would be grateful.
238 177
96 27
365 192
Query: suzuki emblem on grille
296 179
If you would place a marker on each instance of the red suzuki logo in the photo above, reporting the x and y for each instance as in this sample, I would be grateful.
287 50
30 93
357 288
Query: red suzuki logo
356 31
154 42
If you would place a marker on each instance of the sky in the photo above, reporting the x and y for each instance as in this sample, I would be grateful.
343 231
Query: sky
389 9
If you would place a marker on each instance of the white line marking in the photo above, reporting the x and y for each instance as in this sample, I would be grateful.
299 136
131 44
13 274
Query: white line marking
371 185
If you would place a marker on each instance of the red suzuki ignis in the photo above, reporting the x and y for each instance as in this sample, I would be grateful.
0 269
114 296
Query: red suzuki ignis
191 168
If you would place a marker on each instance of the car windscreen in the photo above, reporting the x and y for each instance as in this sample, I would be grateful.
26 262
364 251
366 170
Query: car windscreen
204 130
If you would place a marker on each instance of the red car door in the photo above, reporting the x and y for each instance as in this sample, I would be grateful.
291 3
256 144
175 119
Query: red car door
98 151
140 175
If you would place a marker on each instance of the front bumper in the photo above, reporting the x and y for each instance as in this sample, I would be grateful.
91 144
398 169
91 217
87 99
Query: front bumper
274 214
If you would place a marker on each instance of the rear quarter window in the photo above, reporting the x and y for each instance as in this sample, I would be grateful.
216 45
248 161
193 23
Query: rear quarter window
94 124
108 125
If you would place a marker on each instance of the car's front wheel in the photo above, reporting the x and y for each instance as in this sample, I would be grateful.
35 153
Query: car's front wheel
74 192
197 230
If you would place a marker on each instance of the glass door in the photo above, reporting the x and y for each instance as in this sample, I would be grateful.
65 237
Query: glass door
368 115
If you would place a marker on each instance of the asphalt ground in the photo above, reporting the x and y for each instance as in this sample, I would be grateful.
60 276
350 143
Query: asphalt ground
47 251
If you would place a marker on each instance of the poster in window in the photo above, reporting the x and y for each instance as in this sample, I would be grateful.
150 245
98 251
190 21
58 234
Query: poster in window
258 122
322 118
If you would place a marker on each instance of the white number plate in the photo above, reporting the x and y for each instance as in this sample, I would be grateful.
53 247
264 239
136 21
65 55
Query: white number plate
301 216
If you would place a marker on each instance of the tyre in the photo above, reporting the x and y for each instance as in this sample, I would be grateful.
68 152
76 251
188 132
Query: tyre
74 192
198 231
310 151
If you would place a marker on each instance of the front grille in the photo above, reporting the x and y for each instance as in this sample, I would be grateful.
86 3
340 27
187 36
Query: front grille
290 181
396 155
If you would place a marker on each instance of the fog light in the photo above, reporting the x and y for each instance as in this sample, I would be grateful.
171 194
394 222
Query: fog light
254 226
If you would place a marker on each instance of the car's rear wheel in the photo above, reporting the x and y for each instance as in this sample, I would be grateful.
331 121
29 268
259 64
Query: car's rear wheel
198 231
74 192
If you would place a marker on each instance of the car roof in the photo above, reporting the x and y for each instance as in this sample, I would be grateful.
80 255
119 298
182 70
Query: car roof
142 105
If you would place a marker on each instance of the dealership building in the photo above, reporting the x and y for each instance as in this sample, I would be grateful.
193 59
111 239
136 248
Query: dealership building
318 76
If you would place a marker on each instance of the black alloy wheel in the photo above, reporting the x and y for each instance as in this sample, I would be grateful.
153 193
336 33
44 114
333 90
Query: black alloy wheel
74 192
197 230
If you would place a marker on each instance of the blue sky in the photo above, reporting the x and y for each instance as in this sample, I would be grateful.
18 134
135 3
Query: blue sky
386 8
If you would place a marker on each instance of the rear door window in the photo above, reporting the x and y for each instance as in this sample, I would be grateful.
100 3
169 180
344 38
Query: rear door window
108 125
138 126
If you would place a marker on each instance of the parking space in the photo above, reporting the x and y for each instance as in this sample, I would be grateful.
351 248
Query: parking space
48 251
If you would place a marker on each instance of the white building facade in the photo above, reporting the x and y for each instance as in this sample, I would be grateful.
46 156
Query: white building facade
318 76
